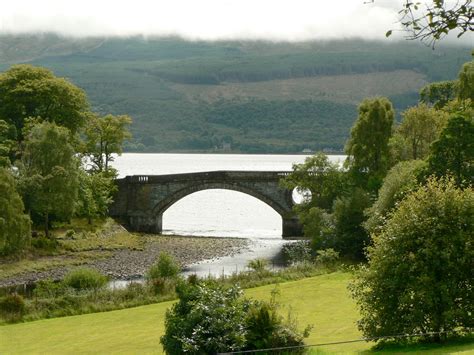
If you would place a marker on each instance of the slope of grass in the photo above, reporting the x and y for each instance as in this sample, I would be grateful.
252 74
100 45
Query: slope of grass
322 301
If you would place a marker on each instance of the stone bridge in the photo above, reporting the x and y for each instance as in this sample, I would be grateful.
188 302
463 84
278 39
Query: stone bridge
141 200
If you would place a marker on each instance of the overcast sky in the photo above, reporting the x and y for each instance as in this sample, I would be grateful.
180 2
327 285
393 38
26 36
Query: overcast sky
203 19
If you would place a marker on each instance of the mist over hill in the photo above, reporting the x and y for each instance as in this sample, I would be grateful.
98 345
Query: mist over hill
246 96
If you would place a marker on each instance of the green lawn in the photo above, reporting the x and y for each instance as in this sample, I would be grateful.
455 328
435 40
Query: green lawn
322 301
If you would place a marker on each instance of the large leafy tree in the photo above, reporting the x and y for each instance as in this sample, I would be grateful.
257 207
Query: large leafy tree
439 93
49 173
421 126
104 136
367 148
453 152
6 144
419 275
14 223
27 91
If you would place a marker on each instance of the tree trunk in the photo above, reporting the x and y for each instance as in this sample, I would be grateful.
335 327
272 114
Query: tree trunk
46 224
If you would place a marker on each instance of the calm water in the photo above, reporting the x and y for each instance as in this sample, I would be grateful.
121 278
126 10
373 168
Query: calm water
219 213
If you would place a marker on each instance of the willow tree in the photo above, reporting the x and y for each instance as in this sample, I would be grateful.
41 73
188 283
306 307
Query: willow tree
49 173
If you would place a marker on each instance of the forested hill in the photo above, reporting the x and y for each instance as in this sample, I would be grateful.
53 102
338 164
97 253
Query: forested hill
247 96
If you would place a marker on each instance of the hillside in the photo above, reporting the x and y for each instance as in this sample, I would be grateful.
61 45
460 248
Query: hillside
259 96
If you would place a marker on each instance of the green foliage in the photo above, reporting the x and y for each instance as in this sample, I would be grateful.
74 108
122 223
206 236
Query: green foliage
49 173
207 319
85 279
297 252
28 91
6 144
104 136
367 148
317 226
322 178
42 243
15 232
327 257
12 307
95 194
466 81
211 318
439 93
401 179
165 267
49 289
421 126
419 275
350 238
258 265
266 329
453 152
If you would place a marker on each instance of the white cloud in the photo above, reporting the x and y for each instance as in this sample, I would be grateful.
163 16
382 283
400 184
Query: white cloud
203 19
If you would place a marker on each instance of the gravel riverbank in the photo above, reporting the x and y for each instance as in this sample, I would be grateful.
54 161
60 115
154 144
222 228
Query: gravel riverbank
128 264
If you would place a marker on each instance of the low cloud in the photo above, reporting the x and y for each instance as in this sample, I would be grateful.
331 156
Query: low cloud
292 20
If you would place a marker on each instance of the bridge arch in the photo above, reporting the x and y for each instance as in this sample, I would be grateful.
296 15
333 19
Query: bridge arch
170 200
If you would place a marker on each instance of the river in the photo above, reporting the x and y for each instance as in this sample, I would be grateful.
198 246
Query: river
219 213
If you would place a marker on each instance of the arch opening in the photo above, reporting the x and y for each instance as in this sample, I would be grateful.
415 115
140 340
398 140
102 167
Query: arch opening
222 213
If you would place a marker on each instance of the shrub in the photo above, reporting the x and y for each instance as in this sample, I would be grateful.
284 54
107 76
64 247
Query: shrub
85 279
267 329
49 289
12 307
257 265
327 257
165 267
44 243
297 252
210 318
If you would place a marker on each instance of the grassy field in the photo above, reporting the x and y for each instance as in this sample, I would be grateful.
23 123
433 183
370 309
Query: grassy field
322 301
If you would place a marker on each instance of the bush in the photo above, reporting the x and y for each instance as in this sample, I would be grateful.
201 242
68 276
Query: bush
211 318
44 243
267 329
12 307
257 265
297 252
327 257
208 318
85 279
165 267
49 289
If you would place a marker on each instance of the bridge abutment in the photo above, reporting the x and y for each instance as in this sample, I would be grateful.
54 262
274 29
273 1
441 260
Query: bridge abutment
146 223
291 227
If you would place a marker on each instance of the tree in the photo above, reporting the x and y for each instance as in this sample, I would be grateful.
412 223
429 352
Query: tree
6 144
350 238
466 81
453 152
49 173
14 223
439 93
421 126
367 148
401 180
431 21
320 179
419 274
104 137
28 91
95 195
